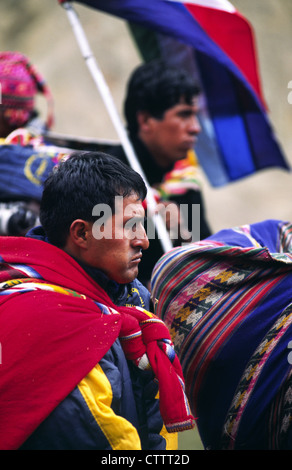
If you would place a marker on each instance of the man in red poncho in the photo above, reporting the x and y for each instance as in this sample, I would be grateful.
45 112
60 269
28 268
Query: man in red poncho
81 353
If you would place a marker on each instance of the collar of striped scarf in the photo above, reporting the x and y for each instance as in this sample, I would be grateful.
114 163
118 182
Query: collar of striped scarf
60 321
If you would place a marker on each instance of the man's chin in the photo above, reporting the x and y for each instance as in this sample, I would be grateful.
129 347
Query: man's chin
128 277
181 156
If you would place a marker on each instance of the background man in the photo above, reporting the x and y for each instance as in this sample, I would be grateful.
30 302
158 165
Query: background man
161 108
20 124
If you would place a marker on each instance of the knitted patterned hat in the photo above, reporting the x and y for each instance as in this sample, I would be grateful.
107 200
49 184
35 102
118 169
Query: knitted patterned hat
20 82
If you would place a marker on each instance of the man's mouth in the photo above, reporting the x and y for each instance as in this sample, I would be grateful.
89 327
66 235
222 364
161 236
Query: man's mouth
190 143
137 258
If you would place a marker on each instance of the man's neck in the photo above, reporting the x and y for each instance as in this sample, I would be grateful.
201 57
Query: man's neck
153 170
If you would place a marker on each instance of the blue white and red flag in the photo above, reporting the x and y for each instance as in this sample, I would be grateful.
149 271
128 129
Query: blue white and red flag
213 41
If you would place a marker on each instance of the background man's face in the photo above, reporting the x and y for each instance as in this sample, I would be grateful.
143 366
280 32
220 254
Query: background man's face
169 139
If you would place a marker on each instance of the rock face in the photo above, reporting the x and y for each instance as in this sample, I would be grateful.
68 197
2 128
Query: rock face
42 31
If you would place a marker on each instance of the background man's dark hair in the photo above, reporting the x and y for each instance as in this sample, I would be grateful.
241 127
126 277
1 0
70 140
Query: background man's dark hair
156 87
76 185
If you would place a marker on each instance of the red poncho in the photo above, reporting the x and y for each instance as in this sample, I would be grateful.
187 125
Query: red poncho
56 324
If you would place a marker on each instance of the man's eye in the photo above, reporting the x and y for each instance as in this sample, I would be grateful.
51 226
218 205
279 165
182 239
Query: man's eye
134 224
185 114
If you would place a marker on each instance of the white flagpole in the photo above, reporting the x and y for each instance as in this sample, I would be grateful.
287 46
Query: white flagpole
108 101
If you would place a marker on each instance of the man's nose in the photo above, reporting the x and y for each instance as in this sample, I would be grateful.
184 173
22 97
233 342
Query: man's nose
141 239
194 125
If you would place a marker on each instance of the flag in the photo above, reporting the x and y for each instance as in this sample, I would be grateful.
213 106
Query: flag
25 163
22 172
215 43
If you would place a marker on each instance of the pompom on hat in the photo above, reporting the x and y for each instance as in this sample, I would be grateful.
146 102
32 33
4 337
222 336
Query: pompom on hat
20 82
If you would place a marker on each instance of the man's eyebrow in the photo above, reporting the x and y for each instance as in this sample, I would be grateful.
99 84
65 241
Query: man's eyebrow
186 111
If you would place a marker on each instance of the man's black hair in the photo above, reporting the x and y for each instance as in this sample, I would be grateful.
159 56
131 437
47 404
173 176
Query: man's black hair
76 185
156 87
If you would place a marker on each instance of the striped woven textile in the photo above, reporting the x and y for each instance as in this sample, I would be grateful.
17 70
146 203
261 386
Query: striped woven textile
227 302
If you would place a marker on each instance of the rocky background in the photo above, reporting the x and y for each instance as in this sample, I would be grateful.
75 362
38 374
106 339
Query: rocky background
41 30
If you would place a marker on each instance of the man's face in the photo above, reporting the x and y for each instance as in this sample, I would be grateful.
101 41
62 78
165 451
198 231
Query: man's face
5 127
116 246
169 139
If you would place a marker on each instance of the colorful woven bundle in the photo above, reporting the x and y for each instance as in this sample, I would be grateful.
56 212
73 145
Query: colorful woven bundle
227 302
185 176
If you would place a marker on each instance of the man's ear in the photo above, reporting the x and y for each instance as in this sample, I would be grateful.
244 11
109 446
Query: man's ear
144 120
79 231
